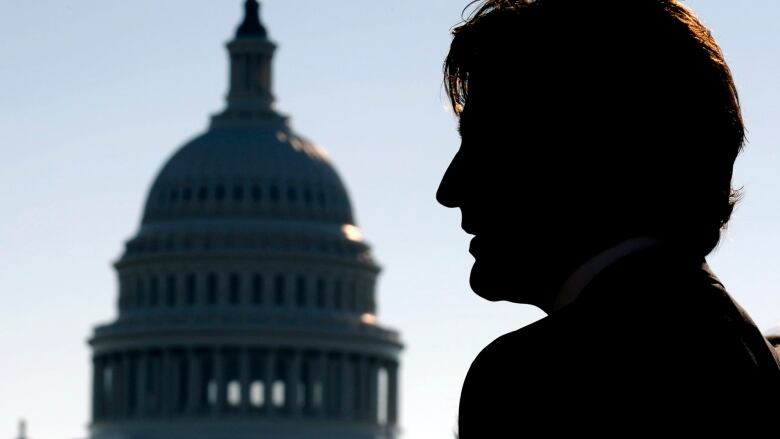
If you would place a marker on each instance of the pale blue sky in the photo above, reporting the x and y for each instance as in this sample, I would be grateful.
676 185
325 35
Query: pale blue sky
96 95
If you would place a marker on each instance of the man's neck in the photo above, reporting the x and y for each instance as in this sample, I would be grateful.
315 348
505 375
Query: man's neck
583 275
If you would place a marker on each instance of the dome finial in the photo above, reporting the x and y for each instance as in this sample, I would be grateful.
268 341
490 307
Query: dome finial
251 26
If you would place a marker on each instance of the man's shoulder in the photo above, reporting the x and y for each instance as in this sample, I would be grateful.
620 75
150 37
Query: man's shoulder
517 355
540 334
514 367
649 315
648 329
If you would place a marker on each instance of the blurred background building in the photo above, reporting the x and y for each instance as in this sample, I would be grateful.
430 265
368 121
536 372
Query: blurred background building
773 336
247 303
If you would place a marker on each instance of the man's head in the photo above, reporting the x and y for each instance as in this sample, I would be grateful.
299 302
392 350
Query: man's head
584 123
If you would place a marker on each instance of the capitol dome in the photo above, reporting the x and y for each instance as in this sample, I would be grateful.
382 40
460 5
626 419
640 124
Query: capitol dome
247 298
259 169
248 179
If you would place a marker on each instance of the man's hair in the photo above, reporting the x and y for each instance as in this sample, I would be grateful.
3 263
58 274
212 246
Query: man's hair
640 83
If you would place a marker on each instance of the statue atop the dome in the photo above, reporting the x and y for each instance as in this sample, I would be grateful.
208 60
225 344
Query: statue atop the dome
251 26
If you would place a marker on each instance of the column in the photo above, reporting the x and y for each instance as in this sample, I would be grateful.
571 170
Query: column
362 387
106 384
316 381
347 395
165 383
195 382
174 385
219 379
392 393
117 387
109 386
140 385
332 385
125 385
308 376
119 377
268 380
244 378
97 388
159 383
373 387
292 400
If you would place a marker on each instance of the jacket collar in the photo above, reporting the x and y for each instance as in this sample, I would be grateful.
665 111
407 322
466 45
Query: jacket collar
583 276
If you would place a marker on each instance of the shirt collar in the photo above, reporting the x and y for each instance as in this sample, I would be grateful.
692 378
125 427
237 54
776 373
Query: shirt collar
578 280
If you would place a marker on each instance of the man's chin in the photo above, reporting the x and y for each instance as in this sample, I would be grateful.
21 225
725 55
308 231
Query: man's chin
490 286
497 283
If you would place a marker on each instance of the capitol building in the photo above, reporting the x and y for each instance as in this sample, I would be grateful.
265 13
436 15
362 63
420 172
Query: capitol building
247 300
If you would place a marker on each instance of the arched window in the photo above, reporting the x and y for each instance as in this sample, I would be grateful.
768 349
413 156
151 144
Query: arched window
257 194
317 399
211 392
278 393
257 394
234 393
203 193
383 396
274 194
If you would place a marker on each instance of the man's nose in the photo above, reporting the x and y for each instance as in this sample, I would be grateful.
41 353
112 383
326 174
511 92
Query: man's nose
449 192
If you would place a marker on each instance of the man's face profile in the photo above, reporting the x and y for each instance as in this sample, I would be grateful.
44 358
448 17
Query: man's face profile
503 181
569 149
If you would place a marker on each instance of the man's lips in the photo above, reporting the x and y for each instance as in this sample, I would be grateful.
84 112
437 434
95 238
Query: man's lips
468 229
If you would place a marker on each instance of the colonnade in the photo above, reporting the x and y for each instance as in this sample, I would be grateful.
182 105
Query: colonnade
235 381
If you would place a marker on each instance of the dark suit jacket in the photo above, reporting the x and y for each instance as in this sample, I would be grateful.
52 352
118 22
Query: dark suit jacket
653 341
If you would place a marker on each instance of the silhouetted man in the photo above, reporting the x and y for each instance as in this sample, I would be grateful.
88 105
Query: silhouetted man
598 140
